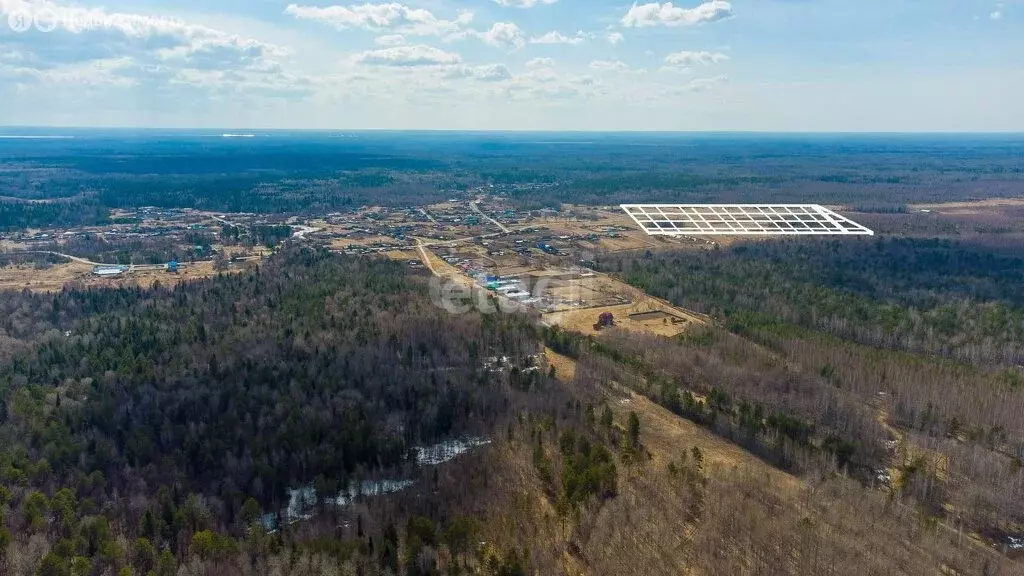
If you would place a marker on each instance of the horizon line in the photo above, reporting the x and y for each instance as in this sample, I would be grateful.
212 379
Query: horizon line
519 131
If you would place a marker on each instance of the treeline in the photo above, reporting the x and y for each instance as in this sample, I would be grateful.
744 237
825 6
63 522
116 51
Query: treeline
953 435
702 505
921 295
179 415
901 344
792 418
316 173
18 215
38 259
255 235
135 250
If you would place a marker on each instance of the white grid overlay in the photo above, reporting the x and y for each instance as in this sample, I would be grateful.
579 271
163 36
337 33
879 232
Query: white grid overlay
741 219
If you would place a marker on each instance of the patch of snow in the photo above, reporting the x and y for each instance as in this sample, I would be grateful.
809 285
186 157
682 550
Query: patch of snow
302 501
447 450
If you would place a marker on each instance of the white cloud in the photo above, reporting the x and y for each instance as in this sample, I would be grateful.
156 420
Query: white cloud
614 38
996 15
408 56
389 40
609 65
687 59
655 14
540 63
524 3
82 34
698 85
501 35
540 84
525 88
492 72
92 45
393 17
486 73
555 37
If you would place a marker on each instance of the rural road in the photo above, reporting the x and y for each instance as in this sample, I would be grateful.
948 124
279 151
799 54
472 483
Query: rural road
491 220
427 214
301 231
424 257
68 256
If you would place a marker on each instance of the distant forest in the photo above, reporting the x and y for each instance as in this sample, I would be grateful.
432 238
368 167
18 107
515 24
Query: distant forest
316 172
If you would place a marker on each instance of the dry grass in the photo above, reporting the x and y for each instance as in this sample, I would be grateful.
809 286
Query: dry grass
342 243
49 279
975 207
666 435
583 320
565 367
402 255
58 276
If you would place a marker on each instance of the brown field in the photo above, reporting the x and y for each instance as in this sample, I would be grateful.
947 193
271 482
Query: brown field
58 276
974 207
664 435
402 255
342 243
583 320
49 279
565 367
992 221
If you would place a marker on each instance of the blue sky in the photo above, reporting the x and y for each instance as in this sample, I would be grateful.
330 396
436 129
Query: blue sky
775 65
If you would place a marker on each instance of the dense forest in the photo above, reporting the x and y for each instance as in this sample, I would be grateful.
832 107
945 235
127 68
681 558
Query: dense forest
323 171
18 214
179 415
921 295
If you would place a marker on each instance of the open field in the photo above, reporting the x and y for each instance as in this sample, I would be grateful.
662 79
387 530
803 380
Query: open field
988 221
565 367
973 207
636 315
58 276
665 435
48 279
583 320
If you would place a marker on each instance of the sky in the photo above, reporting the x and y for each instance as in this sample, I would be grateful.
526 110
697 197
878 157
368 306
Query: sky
716 65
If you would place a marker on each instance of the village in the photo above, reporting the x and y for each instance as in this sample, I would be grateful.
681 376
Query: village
541 259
